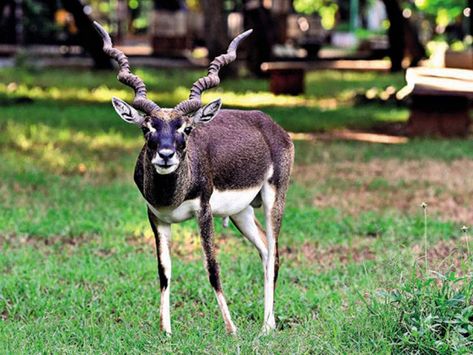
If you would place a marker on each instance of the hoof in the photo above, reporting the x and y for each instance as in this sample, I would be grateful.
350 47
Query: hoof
231 329
268 328
167 331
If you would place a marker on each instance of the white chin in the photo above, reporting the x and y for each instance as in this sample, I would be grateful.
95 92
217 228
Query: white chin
164 171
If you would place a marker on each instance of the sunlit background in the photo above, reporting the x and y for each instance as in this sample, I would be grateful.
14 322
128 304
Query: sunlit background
375 244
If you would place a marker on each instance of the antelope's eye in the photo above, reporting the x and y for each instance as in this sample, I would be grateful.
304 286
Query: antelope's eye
188 130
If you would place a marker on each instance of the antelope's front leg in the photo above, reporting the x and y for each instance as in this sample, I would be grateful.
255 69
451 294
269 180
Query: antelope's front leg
205 220
162 234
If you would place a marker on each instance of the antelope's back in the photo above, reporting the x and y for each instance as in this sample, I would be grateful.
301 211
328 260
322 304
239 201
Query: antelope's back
241 148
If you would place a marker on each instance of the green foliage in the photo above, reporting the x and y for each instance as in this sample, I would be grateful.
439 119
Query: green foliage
38 21
443 10
325 8
138 10
430 314
363 33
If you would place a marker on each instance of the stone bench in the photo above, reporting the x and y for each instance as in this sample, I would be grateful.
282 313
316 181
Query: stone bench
440 101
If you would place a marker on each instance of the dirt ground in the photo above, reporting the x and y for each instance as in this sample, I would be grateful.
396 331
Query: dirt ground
356 187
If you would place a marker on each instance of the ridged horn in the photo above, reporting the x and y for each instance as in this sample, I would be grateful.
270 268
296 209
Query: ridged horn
125 76
212 79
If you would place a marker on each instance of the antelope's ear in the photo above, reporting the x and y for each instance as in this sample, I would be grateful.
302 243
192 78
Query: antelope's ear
208 112
126 112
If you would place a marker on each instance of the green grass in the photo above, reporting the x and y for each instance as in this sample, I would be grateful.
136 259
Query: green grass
77 263
432 314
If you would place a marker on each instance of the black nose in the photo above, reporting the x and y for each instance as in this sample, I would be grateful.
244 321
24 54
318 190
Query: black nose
166 154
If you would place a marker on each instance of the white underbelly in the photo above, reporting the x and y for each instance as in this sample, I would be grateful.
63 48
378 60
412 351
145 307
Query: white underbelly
230 202
222 203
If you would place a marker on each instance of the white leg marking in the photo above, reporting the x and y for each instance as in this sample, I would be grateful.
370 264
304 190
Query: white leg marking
226 313
245 221
164 232
268 195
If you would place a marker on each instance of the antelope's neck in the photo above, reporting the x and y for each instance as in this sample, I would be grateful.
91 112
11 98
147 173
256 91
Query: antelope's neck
167 190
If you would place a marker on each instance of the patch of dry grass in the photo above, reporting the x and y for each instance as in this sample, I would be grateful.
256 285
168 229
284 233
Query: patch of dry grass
380 185
331 257
445 255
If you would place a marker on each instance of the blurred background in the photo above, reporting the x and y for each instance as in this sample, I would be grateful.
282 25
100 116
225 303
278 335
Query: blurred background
375 245
290 30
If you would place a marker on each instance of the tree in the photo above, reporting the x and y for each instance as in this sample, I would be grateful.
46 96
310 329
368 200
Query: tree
414 47
395 34
216 39
402 37
8 26
87 35
169 5
261 41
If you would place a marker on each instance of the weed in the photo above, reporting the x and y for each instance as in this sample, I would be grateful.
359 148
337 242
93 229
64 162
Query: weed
424 207
467 240
429 314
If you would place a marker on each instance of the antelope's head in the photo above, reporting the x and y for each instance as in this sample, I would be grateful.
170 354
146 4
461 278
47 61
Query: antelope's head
166 130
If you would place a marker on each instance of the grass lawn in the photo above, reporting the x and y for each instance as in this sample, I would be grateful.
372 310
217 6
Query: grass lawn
77 257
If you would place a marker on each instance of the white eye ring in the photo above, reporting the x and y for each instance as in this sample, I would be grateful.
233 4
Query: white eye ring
151 128
182 128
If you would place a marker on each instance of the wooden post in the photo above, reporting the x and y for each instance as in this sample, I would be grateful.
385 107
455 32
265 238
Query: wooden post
434 115
285 77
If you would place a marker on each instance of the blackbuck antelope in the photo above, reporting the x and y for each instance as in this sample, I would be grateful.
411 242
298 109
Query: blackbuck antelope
200 161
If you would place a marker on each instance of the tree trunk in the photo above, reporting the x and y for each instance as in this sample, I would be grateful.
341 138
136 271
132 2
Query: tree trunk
87 35
261 41
8 23
402 36
168 5
470 5
395 34
413 45
216 38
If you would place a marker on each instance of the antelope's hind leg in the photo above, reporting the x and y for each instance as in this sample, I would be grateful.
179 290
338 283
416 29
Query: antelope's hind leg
268 194
266 243
249 226
162 235
273 195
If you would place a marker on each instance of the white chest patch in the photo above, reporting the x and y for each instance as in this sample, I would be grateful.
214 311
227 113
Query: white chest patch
183 212
222 203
